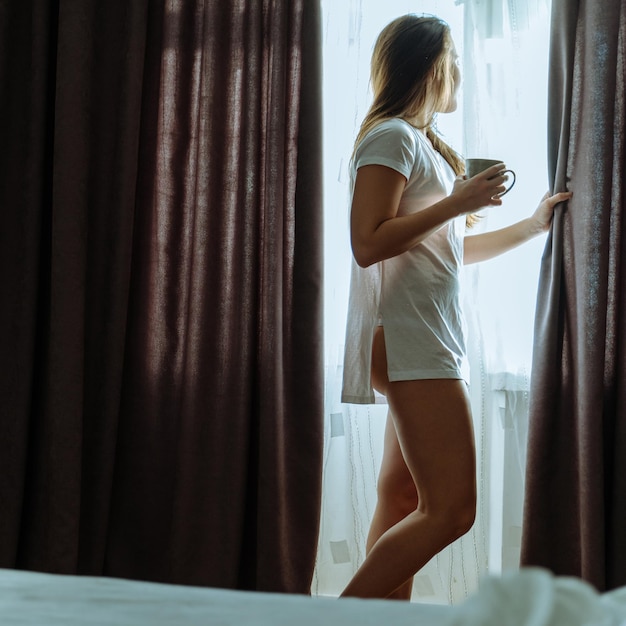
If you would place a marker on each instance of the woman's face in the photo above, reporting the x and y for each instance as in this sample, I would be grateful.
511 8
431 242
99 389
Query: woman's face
455 69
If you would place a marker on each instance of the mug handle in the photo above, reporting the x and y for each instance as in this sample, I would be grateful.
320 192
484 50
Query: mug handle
510 186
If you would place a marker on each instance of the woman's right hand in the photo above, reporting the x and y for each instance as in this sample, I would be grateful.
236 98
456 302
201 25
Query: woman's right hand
482 190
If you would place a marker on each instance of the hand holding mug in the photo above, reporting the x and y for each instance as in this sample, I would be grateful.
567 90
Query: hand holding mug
476 166
481 190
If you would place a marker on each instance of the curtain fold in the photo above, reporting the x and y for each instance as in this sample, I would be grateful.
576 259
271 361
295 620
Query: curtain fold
71 94
575 502
161 277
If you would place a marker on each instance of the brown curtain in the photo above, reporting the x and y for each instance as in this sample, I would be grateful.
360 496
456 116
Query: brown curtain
575 503
160 267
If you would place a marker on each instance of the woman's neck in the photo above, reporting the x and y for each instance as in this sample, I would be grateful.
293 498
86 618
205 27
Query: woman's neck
419 123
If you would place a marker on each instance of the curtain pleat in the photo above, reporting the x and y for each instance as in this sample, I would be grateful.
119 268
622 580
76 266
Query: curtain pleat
25 157
163 283
575 502
71 82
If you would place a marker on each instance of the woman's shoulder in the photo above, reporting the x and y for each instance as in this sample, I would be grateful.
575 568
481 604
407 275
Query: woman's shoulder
391 134
393 126
391 142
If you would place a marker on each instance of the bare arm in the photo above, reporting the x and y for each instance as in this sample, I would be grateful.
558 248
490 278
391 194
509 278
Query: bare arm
488 245
376 230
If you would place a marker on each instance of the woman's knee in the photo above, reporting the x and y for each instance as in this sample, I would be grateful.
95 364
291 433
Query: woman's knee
396 490
464 517
456 516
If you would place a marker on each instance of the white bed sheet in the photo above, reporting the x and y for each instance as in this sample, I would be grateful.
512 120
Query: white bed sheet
531 597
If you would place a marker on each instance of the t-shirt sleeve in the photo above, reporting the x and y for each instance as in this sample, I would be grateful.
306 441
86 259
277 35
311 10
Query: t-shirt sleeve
390 144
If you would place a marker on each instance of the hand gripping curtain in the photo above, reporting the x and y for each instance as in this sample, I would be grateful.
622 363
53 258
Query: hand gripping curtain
160 265
575 499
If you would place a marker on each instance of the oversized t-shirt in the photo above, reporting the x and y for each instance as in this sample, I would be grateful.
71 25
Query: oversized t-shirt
415 295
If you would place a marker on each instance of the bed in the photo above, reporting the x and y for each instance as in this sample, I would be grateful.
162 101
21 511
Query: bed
530 597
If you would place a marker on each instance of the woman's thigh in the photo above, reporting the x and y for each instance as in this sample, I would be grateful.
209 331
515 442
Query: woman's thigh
379 361
395 482
433 423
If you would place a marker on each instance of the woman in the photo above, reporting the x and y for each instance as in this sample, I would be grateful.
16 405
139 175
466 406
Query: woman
405 335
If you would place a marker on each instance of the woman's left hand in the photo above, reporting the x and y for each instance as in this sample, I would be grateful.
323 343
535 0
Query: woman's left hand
543 214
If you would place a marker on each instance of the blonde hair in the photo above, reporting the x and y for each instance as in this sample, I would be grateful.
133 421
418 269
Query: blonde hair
412 74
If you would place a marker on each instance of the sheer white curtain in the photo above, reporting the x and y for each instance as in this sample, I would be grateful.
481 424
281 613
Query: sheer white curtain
504 48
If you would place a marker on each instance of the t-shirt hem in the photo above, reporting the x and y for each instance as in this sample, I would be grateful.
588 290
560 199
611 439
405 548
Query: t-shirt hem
424 375
376 160
373 399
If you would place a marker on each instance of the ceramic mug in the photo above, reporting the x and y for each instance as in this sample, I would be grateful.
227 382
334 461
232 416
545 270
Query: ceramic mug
476 166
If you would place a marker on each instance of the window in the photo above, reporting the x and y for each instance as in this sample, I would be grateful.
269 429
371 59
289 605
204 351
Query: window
504 48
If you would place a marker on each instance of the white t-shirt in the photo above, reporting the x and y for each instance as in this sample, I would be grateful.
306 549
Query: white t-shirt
415 295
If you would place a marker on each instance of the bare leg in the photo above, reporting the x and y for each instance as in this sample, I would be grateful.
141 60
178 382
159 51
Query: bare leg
397 495
433 423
